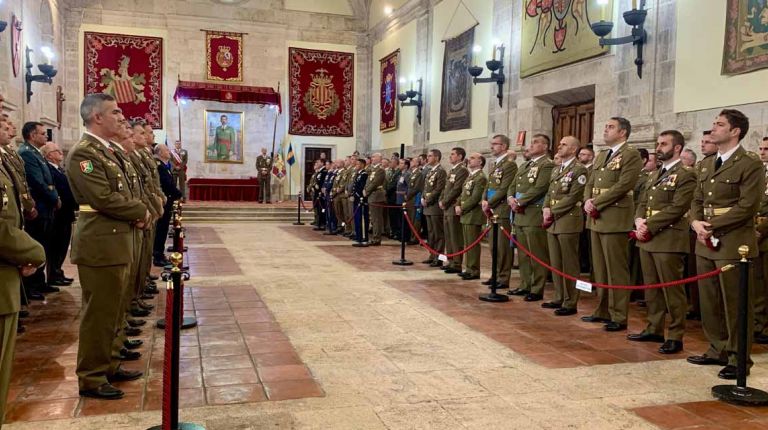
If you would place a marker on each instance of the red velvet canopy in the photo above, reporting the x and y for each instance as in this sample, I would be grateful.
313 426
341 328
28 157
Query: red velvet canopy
226 93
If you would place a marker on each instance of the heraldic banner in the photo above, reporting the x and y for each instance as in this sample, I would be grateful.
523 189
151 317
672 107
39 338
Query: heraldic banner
321 92
388 95
130 69
746 36
224 56
456 102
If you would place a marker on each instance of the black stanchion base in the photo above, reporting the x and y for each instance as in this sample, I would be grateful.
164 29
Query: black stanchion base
188 322
745 396
171 249
402 263
182 426
298 223
494 298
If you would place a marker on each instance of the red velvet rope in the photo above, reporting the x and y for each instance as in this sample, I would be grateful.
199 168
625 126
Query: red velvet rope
617 287
385 206
301 200
432 251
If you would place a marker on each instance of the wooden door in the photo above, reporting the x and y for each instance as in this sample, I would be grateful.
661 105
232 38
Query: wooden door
574 120
310 155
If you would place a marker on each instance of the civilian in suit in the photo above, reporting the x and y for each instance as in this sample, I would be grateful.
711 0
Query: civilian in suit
61 233
163 157
43 191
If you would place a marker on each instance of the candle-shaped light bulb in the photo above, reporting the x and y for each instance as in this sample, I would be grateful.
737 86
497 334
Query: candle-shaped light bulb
476 54
634 4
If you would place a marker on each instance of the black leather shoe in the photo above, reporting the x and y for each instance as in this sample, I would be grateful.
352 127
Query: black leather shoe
104 392
614 326
48 289
533 297
126 355
760 338
501 286
135 323
34 295
160 263
645 337
551 305
594 319
146 306
703 360
427 261
470 277
125 375
151 289
146 296
70 280
20 329
452 270
60 282
488 282
133 343
729 372
23 313
132 331
518 292
360 244
565 312
153 277
671 347
138 313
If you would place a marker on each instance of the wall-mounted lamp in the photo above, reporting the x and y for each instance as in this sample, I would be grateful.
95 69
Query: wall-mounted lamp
497 71
47 77
413 97
635 18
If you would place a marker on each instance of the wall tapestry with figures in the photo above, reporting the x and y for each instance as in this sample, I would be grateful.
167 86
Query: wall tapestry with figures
557 32
746 36
388 104
456 100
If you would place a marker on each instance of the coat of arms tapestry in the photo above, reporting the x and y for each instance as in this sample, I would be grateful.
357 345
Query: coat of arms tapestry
130 69
456 101
388 91
321 92
224 56
746 36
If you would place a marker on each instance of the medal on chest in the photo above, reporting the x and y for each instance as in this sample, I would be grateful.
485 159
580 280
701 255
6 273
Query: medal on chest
615 163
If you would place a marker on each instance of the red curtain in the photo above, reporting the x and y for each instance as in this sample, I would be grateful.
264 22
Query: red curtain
226 93
237 190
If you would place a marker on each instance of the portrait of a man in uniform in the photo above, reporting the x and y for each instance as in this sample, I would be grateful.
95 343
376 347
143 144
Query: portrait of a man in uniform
224 137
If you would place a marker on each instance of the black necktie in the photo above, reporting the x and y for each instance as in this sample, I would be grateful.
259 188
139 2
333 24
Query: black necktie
663 171
718 163
610 152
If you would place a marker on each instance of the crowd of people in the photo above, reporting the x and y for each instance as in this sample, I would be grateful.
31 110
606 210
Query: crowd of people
117 186
576 212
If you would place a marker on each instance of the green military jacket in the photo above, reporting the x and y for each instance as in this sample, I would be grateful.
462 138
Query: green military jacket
337 188
18 248
108 205
566 189
453 187
263 164
664 204
470 198
415 185
374 186
499 179
729 199
434 185
529 188
153 202
154 186
611 185
761 222
14 165
642 180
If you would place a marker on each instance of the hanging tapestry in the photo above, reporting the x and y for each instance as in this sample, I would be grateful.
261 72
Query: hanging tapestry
388 105
746 36
224 56
456 100
321 92
130 69
556 33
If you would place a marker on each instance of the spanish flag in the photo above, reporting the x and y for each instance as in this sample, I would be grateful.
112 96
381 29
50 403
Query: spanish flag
290 158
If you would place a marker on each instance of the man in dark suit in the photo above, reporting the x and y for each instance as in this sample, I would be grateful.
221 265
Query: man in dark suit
43 191
163 156
61 231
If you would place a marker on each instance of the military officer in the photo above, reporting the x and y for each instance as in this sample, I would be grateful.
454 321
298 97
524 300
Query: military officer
434 184
454 237
264 168
181 168
495 195
635 271
730 187
761 288
361 204
470 210
20 255
413 198
317 196
374 192
102 247
609 207
526 198
330 216
661 232
349 191
338 196
401 193
563 219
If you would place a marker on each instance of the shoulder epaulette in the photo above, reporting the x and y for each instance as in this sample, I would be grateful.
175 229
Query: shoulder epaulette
753 155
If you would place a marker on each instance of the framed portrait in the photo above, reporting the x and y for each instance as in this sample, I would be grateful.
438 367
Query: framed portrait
223 136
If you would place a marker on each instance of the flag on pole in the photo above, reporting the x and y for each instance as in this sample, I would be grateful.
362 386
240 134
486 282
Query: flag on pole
290 158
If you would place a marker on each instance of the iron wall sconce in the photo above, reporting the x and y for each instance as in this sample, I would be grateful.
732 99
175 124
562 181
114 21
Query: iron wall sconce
49 72
497 73
635 18
414 99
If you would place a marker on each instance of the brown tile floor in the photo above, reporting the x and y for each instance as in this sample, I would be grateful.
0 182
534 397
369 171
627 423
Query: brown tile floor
704 415
305 232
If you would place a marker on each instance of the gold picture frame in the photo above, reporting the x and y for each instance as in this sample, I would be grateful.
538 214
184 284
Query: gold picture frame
221 144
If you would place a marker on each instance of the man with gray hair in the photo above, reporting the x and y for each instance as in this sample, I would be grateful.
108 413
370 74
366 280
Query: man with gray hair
61 230
168 186
688 157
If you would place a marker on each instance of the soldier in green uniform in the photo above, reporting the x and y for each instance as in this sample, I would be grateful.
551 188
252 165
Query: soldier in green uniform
495 200
374 192
525 196
434 184
103 244
349 195
563 217
661 231
20 255
761 227
726 200
635 271
454 237
413 197
224 139
469 208
610 209
264 169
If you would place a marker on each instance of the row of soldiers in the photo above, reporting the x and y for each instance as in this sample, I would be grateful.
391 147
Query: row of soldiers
548 206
